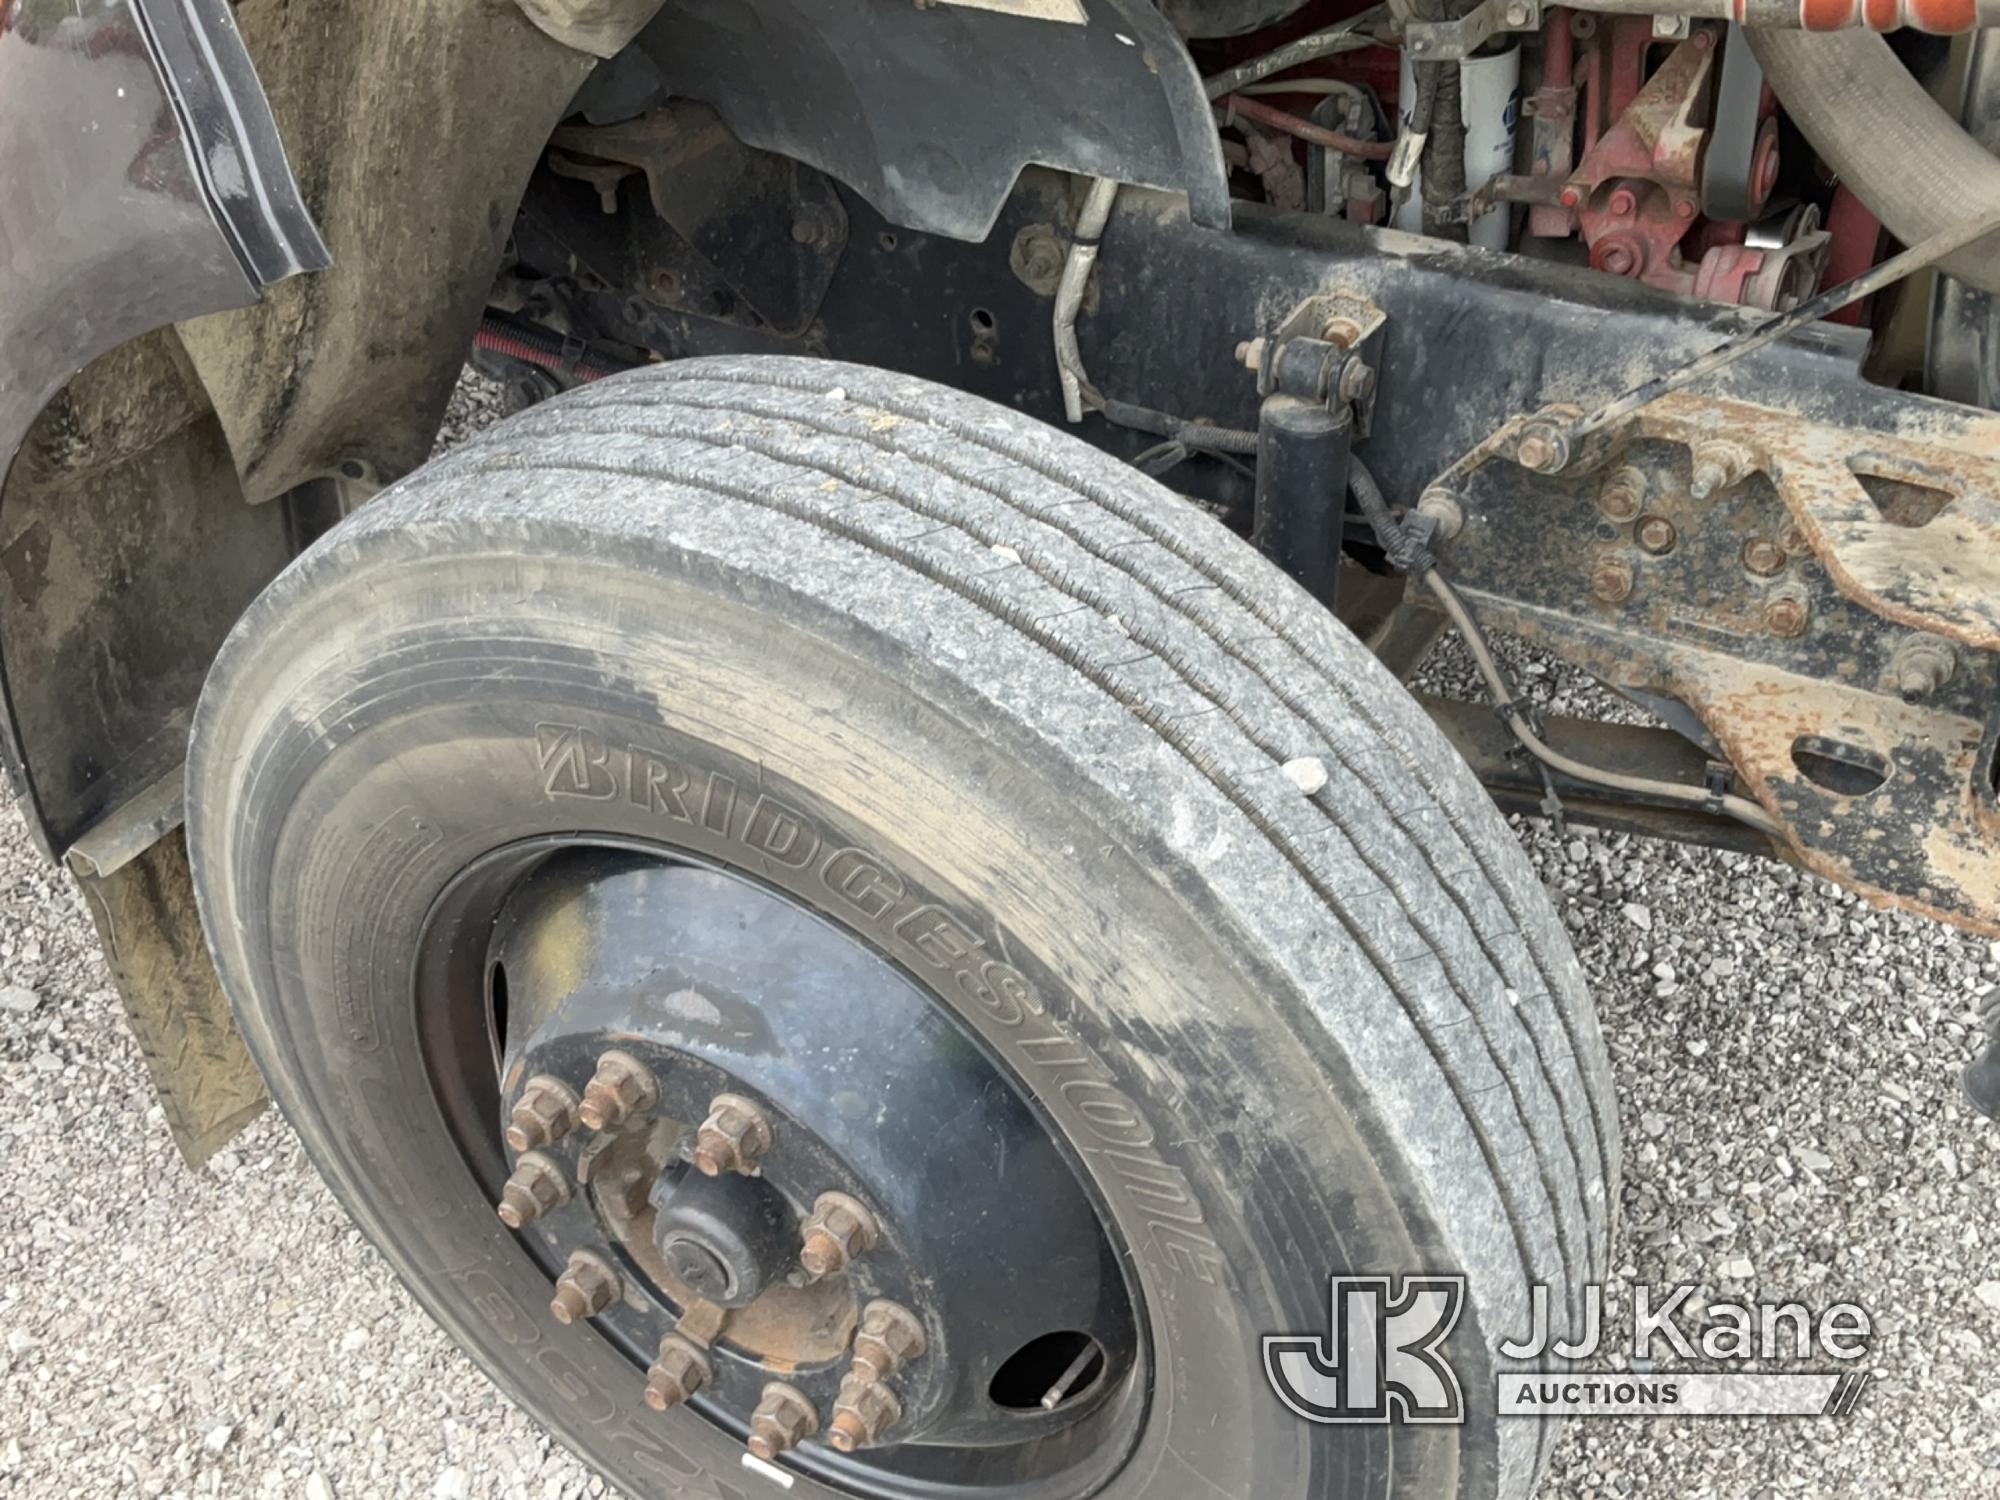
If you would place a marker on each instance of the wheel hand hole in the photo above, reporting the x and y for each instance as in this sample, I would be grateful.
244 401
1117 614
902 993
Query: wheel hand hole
1048 1372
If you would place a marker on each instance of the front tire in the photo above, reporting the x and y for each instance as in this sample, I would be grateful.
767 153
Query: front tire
1157 833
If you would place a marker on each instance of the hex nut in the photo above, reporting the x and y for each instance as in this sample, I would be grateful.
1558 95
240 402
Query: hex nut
1786 616
621 1087
537 1186
1763 556
1657 535
680 1369
1623 494
862 1412
588 1285
543 1114
1717 464
735 1137
784 1418
889 1338
1922 665
1442 506
1542 448
1611 580
838 1232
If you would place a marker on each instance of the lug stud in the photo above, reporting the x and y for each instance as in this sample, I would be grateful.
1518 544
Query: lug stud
735 1137
543 1114
837 1233
889 1338
681 1369
621 1087
587 1286
864 1410
783 1419
536 1187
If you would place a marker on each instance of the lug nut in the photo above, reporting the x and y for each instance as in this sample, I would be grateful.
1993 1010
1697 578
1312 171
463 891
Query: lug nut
838 1232
621 1087
1763 556
784 1418
587 1286
1623 495
1785 616
864 1410
1611 580
543 1114
734 1138
1657 535
536 1186
681 1369
889 1338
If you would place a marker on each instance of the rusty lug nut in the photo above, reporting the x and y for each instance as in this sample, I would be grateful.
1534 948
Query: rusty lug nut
536 1187
734 1138
1785 616
889 1338
1623 494
1657 535
543 1114
863 1411
587 1286
621 1087
838 1232
1763 556
1611 580
784 1418
681 1369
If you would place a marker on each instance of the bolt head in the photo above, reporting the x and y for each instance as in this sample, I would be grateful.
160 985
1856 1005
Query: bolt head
1519 15
1571 197
1657 535
621 1087
734 1138
1763 556
1611 580
543 1114
1785 616
837 1232
681 1369
1624 203
1442 507
784 1418
1541 448
1623 494
537 1186
863 1411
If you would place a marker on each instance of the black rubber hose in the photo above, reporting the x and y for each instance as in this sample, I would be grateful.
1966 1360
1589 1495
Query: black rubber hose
1910 163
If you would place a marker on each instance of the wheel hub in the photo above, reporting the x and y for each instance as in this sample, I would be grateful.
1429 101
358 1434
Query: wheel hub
837 1226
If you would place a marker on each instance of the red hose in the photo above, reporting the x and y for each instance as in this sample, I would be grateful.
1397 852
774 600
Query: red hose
531 352
1305 130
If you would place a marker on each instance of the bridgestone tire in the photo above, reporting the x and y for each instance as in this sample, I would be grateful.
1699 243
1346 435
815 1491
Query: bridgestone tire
1191 862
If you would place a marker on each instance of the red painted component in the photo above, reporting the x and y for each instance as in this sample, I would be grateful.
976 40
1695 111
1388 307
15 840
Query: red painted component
1553 127
1305 130
1856 245
1637 191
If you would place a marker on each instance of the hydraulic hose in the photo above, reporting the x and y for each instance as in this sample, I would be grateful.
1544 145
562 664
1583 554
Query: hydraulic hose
1908 161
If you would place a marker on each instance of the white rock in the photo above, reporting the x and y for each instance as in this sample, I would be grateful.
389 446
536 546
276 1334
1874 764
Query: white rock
17 1001
1811 1160
353 1341
452 1484
217 1438
1737 1269
1307 773
1639 916
1989 1293
317 1487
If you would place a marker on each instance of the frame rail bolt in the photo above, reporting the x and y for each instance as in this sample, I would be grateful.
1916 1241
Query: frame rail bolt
588 1285
680 1369
543 1114
838 1232
1786 616
1764 557
1717 465
1611 580
1542 447
621 1087
1657 535
1922 665
1623 494
784 1418
862 1412
536 1187
735 1137
1442 506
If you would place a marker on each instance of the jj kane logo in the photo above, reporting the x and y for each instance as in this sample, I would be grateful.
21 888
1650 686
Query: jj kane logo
1383 1357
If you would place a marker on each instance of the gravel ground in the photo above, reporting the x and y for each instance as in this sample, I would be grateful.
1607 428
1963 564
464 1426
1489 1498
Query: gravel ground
1787 1061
